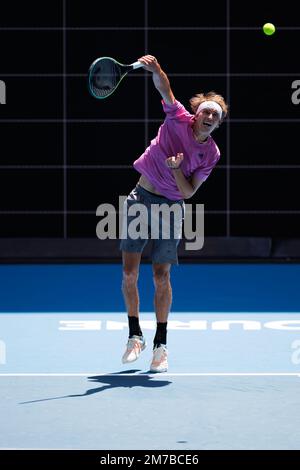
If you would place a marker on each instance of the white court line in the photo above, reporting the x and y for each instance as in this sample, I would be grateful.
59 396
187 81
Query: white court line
187 374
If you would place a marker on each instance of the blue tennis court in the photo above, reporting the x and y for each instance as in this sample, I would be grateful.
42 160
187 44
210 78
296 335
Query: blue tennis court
234 360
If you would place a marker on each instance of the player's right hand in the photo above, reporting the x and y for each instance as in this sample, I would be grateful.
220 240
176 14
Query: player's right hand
150 63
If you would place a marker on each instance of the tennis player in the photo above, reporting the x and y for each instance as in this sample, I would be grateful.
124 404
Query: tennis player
178 160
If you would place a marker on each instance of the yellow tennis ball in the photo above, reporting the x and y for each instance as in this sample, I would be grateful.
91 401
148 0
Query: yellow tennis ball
269 29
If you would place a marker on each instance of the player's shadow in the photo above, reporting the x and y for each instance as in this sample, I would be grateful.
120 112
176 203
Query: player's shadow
114 380
117 380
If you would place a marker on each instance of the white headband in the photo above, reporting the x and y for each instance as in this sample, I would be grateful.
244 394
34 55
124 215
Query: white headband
210 105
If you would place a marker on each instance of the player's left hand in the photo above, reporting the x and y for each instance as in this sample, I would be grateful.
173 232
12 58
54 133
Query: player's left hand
174 162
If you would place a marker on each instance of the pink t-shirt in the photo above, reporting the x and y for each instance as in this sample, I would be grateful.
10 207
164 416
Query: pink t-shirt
176 135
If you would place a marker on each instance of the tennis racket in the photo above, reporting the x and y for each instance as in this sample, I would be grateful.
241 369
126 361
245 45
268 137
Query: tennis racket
105 74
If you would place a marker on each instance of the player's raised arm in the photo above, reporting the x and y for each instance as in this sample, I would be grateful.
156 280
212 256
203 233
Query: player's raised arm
160 79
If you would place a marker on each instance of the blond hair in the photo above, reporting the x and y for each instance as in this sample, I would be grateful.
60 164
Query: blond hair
196 100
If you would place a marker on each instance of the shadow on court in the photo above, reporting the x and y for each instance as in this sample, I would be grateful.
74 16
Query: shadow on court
114 380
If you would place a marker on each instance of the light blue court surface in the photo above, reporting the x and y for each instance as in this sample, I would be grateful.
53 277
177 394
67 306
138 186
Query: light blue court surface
234 372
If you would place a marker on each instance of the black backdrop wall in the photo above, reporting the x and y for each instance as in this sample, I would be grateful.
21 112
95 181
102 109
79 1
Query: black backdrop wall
63 153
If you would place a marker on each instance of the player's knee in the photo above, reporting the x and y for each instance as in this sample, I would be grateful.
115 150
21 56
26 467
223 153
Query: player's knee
161 277
130 277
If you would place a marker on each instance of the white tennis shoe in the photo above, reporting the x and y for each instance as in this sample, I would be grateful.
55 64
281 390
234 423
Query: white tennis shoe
135 346
160 359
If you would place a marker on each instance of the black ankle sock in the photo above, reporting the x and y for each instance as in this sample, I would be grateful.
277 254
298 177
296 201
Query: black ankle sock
160 335
134 327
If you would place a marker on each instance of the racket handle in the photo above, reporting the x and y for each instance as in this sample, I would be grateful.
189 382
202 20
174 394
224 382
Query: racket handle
137 65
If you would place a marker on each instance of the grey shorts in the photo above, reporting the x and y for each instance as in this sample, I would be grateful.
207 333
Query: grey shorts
147 216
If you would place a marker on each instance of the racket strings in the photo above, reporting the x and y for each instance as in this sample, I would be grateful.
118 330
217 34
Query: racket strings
105 77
